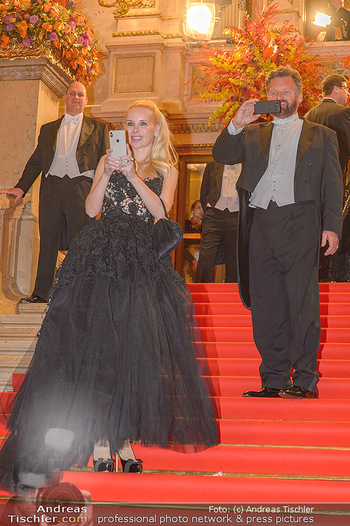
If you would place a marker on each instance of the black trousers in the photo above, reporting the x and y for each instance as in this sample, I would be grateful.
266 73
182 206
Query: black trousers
61 217
219 227
283 281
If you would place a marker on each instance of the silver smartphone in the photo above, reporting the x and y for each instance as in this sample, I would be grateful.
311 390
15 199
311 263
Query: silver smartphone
117 139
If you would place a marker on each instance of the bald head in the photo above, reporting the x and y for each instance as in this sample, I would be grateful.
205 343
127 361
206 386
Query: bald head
75 98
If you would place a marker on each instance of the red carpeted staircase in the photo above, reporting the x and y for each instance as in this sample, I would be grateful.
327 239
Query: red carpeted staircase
271 451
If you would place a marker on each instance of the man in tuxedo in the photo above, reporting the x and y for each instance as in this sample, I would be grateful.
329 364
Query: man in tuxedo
66 155
333 113
219 199
291 194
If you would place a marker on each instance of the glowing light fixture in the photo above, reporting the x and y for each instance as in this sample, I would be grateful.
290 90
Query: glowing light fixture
322 20
200 20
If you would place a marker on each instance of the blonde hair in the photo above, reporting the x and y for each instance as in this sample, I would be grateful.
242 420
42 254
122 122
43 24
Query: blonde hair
163 153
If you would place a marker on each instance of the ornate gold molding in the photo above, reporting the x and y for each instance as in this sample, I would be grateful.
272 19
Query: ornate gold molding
143 14
141 33
286 11
36 68
196 127
123 6
147 32
172 35
191 147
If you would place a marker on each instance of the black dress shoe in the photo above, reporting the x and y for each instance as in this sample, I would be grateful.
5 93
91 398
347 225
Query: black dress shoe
265 392
298 392
32 299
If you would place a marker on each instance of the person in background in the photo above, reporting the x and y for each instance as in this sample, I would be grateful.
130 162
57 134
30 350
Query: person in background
30 476
191 251
66 156
219 199
333 113
194 224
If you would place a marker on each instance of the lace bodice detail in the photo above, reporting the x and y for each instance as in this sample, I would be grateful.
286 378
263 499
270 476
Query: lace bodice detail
121 196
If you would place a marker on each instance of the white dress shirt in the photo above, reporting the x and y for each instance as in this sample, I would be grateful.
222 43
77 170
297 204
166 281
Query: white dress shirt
229 196
65 161
277 183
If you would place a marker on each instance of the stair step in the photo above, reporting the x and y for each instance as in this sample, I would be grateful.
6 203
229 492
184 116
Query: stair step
22 319
32 308
233 287
245 334
234 386
275 432
10 363
285 433
253 408
332 296
249 367
168 489
17 346
250 459
242 321
25 332
237 309
323 409
247 349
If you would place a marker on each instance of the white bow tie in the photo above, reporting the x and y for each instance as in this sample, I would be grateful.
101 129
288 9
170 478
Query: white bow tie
72 119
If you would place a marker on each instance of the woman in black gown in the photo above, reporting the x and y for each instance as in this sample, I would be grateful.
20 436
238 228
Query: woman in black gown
115 359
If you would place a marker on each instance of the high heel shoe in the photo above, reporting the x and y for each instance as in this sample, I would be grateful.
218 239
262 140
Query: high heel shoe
102 464
131 466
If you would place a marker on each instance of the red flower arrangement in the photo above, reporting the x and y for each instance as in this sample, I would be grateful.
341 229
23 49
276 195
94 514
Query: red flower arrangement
52 29
232 76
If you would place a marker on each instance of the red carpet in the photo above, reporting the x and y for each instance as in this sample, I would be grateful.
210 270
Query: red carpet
272 451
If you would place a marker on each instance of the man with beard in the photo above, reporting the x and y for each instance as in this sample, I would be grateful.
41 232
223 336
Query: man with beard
291 193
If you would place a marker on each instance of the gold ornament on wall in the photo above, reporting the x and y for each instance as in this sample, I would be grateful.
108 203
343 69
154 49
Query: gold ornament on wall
123 6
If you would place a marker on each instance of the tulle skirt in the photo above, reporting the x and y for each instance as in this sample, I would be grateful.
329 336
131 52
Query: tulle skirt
119 355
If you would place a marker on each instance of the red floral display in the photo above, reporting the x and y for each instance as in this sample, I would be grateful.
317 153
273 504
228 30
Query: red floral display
231 76
49 28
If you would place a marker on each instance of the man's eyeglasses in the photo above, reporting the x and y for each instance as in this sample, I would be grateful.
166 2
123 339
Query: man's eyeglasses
346 88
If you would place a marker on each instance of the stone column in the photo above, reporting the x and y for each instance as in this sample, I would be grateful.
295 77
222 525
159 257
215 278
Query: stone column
30 91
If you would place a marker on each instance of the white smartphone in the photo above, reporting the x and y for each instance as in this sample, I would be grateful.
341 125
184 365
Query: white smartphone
117 139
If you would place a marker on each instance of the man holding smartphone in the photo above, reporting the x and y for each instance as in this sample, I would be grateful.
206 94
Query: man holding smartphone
291 194
67 154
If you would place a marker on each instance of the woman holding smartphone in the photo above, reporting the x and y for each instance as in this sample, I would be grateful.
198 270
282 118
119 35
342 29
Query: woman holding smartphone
115 360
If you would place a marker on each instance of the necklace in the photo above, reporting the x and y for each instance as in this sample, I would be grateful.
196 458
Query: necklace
144 165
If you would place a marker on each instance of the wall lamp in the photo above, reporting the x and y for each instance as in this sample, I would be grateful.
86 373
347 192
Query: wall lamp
201 18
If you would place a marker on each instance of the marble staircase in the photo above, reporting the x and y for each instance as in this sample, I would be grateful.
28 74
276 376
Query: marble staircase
18 334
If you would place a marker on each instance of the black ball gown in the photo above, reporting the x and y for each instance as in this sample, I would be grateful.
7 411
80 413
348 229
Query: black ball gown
116 356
